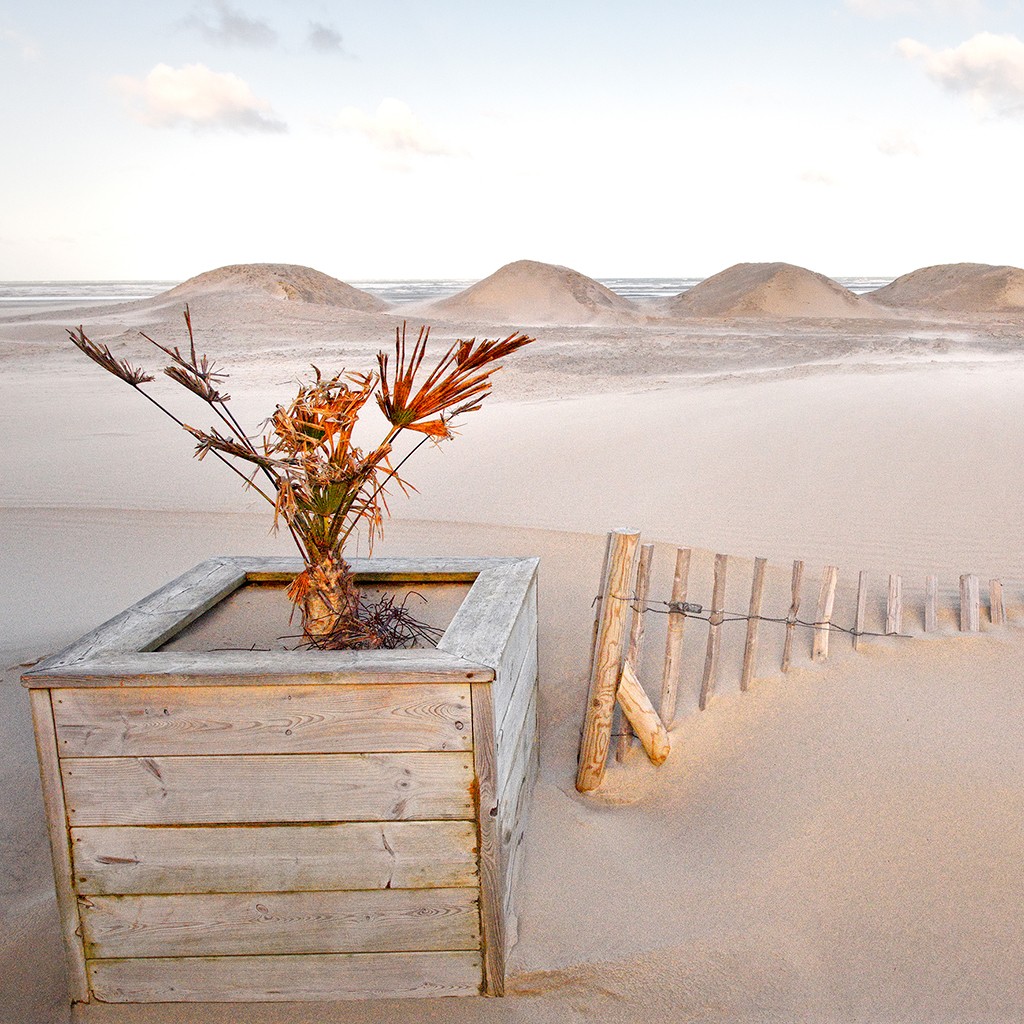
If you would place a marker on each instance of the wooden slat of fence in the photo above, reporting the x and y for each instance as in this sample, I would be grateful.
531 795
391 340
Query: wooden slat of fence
638 709
707 686
862 601
894 606
636 638
823 617
970 604
674 638
931 604
750 648
996 608
794 611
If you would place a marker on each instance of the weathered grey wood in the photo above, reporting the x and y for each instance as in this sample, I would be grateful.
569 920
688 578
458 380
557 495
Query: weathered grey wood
597 724
597 606
894 606
996 608
492 921
794 612
515 814
750 647
150 721
267 788
277 569
269 858
56 819
931 604
520 648
636 637
707 686
823 616
154 619
243 668
674 638
862 601
509 744
970 604
229 924
639 711
286 978
481 627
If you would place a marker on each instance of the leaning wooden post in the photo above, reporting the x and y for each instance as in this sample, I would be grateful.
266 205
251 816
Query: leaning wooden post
638 709
707 686
996 608
674 638
862 601
970 604
931 604
597 606
894 606
750 648
636 638
823 619
794 611
597 726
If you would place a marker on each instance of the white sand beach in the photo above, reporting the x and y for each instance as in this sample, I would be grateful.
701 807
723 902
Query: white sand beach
842 843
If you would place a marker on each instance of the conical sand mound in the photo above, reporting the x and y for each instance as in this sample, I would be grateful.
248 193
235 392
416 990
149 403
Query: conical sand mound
957 288
527 292
769 289
284 281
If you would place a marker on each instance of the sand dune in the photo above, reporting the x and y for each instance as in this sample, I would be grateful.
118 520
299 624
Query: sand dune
769 289
527 293
286 281
957 288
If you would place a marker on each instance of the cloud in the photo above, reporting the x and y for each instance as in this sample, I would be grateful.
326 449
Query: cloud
987 68
324 39
197 96
895 8
223 24
393 128
29 50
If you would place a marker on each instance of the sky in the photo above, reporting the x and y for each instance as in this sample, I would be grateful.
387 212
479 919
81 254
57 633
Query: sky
394 139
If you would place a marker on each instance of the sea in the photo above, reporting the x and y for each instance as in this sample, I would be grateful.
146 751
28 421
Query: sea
100 292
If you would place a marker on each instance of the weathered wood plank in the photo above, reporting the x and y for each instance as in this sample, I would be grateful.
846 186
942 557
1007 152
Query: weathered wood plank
597 725
639 711
154 619
481 627
750 647
636 637
597 606
931 604
894 606
823 616
512 762
794 612
492 921
996 608
520 648
244 668
231 924
269 858
509 743
707 686
862 603
267 788
278 569
286 978
150 721
674 638
56 820
515 816
970 604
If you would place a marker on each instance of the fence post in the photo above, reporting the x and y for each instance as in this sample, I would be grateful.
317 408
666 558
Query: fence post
996 608
597 725
674 638
750 648
931 604
794 610
707 685
823 619
970 604
894 606
636 638
862 600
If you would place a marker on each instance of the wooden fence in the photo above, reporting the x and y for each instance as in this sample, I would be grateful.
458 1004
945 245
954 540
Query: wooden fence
624 595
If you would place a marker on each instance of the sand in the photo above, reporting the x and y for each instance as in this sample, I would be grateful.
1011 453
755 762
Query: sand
839 844
957 288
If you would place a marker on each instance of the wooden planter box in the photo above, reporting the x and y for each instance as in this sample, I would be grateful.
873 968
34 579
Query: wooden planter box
288 825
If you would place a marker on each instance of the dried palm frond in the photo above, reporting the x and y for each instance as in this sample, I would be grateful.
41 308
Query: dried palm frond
102 355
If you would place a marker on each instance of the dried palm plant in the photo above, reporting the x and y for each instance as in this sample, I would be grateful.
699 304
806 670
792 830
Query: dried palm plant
321 486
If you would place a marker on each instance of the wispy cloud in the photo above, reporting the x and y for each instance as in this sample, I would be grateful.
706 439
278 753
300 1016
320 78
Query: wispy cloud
27 48
225 25
895 8
393 128
988 68
324 39
196 96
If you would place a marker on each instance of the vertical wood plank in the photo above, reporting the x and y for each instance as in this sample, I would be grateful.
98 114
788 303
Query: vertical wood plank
636 637
823 617
862 602
597 605
492 922
60 850
794 611
597 725
674 638
996 608
970 604
750 647
894 606
931 604
707 686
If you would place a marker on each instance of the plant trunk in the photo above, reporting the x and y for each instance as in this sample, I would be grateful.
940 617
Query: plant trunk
330 609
